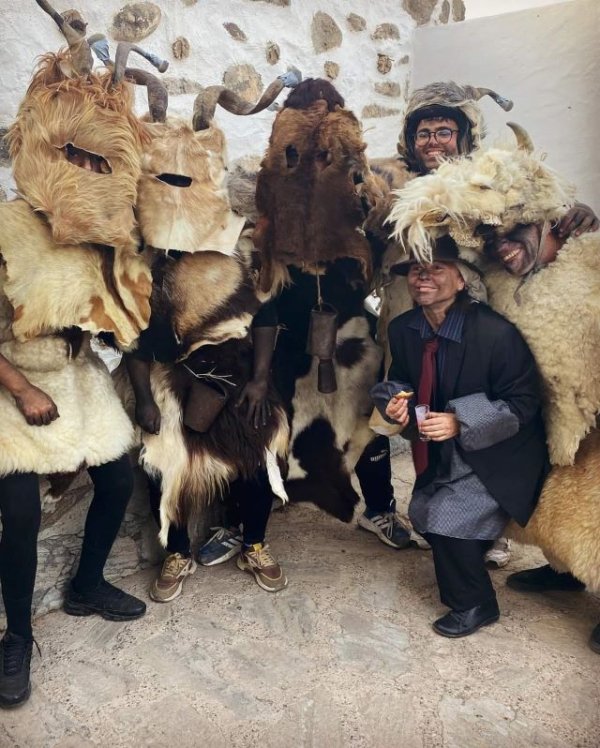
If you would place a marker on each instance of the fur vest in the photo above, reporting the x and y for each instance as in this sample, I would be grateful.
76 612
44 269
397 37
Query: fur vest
45 289
558 312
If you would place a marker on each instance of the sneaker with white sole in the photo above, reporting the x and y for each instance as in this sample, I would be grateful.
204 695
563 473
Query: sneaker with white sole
220 547
387 527
169 583
499 554
257 560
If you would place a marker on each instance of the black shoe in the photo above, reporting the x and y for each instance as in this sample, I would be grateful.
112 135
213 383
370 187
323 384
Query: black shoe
15 660
544 579
108 601
464 622
595 639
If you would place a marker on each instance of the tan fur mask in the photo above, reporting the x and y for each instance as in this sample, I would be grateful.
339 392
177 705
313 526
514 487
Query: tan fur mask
182 197
63 121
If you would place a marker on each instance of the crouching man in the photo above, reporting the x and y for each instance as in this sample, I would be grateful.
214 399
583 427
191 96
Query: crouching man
480 454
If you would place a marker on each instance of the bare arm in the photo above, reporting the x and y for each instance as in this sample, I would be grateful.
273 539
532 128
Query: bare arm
37 408
147 413
255 391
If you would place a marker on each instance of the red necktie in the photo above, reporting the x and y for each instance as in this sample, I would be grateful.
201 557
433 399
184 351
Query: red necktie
420 450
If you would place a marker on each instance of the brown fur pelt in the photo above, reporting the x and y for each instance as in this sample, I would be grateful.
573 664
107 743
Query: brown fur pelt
195 214
52 286
205 298
196 468
91 114
314 189
566 522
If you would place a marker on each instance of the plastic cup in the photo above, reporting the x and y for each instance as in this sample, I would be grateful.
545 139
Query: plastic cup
421 412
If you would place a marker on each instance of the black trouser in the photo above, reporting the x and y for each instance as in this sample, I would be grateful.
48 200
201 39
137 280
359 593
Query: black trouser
20 507
374 473
248 504
460 571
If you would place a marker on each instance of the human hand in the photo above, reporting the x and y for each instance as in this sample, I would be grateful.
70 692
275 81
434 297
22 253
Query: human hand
397 408
35 405
439 427
578 220
147 416
254 395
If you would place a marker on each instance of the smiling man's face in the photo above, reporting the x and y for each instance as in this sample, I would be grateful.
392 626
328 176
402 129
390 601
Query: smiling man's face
429 151
517 250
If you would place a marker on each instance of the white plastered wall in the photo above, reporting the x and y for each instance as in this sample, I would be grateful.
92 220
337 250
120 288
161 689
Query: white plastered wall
548 61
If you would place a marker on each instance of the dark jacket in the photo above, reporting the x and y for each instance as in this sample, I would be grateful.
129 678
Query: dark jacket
492 358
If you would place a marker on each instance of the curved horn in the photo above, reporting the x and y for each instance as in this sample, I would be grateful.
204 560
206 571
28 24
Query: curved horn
158 97
123 50
81 55
479 93
524 142
207 100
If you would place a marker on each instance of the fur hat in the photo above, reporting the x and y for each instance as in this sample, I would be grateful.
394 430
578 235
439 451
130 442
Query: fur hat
449 100
499 187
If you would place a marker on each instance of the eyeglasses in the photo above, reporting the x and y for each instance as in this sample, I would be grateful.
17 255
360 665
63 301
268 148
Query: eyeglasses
443 135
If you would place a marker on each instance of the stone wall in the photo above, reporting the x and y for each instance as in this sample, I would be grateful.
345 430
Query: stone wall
364 47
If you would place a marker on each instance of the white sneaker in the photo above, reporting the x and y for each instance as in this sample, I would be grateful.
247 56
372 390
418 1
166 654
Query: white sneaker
499 554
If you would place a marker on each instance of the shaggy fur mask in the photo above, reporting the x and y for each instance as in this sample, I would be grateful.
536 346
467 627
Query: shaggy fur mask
499 187
310 189
182 196
88 113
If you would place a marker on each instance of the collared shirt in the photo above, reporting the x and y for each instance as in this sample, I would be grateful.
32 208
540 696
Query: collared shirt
451 329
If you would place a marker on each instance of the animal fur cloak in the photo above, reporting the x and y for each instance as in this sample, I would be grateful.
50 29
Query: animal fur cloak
204 297
313 192
68 265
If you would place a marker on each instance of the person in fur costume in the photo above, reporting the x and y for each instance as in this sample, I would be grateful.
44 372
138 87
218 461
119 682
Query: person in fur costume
443 120
208 413
68 269
508 207
313 191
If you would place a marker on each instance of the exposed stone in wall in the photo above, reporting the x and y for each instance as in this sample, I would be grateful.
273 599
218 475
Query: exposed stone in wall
181 48
376 110
4 155
388 88
332 70
235 32
458 10
384 63
356 22
189 2
420 10
404 60
273 53
135 21
176 86
2 195
325 32
386 31
244 80
283 3
445 12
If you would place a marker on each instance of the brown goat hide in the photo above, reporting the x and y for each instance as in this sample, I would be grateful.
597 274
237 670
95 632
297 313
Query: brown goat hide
313 189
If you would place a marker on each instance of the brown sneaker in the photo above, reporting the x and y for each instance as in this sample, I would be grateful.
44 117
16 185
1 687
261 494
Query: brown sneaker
258 561
168 584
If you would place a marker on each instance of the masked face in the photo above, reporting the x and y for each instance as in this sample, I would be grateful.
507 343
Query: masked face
76 150
182 199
